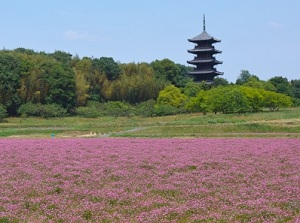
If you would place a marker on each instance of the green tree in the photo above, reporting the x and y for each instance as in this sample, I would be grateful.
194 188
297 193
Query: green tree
82 88
198 103
244 77
191 89
219 81
9 82
296 88
167 70
62 87
136 84
274 101
171 95
254 96
108 66
282 85
183 78
227 99
63 57
94 78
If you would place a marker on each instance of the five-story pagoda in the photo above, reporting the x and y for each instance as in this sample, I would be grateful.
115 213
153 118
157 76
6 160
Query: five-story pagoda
204 57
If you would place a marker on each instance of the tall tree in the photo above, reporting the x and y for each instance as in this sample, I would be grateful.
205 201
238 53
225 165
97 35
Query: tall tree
108 66
281 84
10 67
244 77
136 84
296 88
167 70
61 82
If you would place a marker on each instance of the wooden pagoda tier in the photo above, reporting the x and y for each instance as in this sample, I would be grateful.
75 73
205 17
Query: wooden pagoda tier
204 59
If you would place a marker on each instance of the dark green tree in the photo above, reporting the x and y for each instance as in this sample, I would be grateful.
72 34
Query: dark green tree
167 70
191 89
219 81
281 84
63 57
296 88
244 77
62 88
10 68
108 66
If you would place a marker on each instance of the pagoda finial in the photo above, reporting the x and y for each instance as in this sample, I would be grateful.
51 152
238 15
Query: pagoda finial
204 23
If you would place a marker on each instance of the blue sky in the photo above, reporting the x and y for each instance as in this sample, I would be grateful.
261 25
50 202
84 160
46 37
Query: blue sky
262 36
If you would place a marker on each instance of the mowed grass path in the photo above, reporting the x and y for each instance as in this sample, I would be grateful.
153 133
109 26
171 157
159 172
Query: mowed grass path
150 180
285 123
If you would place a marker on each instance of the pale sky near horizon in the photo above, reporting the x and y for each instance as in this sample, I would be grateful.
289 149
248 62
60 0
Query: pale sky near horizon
261 36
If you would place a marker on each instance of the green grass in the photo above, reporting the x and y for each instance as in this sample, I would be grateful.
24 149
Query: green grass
284 123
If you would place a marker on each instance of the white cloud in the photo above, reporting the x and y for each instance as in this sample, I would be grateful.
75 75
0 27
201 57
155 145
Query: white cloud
276 26
74 35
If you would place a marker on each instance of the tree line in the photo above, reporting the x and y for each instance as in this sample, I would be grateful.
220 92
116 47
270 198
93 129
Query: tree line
55 84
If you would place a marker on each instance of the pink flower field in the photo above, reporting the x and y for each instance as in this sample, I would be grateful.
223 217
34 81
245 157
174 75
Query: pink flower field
150 180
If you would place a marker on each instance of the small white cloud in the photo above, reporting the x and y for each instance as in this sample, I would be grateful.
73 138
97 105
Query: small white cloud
276 26
74 35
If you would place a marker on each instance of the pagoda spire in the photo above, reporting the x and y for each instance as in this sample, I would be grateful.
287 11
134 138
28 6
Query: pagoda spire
204 23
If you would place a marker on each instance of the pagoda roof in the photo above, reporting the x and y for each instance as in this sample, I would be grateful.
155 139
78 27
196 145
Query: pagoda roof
199 50
197 61
204 36
202 72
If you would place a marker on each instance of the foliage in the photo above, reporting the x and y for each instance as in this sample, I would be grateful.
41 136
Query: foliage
281 84
136 84
219 81
82 88
244 77
3 112
88 112
171 95
146 108
111 108
117 109
108 66
191 89
295 84
237 99
166 109
274 101
256 83
61 86
254 97
169 71
40 110
72 83
10 67
198 103
63 57
227 100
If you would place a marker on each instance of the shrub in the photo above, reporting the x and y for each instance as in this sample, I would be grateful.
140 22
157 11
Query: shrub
117 109
146 108
296 102
3 112
88 112
166 109
40 110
